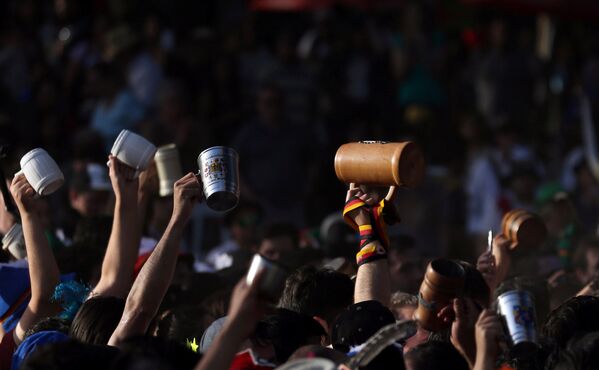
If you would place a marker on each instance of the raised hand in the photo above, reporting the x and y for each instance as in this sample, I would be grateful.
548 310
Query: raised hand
148 180
7 220
188 191
462 328
486 266
23 194
246 307
503 258
124 182
488 333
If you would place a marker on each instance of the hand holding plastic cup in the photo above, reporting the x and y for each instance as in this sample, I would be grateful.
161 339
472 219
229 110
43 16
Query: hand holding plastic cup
133 150
219 171
517 310
41 171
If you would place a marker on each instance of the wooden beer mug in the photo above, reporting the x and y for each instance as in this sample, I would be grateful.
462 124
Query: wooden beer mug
443 281
523 228
380 163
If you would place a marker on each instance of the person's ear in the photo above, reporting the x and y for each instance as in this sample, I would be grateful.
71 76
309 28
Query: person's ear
322 323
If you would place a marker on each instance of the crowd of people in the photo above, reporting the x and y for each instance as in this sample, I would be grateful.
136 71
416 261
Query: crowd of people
111 275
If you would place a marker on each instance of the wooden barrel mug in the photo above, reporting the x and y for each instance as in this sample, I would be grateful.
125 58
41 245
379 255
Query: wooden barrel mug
523 228
380 163
443 281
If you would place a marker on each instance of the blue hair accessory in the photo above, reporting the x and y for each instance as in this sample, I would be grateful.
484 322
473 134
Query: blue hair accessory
71 295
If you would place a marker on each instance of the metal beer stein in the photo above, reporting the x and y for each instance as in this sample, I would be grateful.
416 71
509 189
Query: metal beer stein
219 170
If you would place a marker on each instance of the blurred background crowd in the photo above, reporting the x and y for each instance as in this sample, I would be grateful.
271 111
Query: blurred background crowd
491 94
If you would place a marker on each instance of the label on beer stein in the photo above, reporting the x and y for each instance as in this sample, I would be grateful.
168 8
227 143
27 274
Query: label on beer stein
215 169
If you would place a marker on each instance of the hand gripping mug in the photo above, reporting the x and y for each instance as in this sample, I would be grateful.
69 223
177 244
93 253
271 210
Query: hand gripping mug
219 170
41 171
133 150
517 310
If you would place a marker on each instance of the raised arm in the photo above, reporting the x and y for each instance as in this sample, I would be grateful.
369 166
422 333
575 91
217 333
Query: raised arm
153 280
123 245
43 270
244 312
373 280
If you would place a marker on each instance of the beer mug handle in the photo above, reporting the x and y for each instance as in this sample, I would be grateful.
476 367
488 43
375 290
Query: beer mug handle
391 194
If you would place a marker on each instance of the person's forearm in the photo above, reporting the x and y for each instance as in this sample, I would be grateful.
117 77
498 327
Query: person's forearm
122 251
43 270
483 362
151 285
373 282
222 351
43 274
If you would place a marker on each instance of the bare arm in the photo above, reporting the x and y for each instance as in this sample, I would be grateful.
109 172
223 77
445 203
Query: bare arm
153 280
373 282
123 245
43 271
244 312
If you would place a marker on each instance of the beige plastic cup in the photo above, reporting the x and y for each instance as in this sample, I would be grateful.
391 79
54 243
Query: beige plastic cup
14 242
169 169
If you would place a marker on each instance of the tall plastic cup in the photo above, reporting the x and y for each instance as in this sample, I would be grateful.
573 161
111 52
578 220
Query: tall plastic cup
517 310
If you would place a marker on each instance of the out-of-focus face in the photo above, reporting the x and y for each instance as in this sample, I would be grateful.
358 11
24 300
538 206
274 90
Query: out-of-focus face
89 203
404 312
274 248
268 106
592 262
406 272
244 228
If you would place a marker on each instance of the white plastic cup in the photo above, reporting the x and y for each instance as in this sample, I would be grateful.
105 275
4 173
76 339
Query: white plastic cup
14 242
273 281
41 171
133 150
168 167
518 312
219 170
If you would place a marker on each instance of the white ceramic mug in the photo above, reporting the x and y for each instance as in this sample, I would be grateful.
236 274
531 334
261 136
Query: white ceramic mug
41 171
14 242
133 150
168 167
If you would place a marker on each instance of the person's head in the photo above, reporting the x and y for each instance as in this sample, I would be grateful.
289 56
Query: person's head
403 305
581 353
97 319
405 265
576 315
243 223
285 331
277 240
71 355
268 105
34 342
435 355
320 294
183 323
89 189
49 324
154 353
586 259
104 80
360 321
